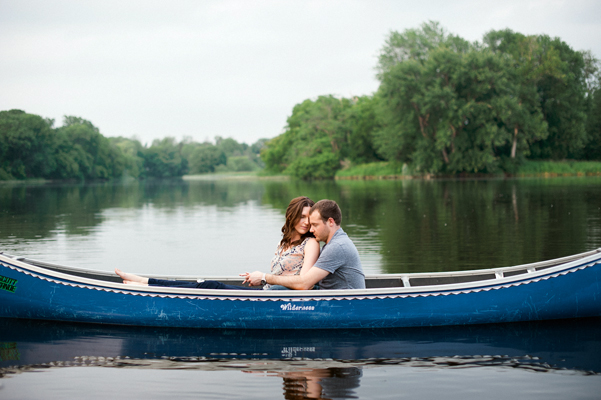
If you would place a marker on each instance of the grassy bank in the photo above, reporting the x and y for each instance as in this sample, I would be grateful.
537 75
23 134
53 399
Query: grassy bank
375 170
24 181
250 175
388 170
559 168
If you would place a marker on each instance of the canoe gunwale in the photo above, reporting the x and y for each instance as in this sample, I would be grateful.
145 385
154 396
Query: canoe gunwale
546 270
530 266
537 266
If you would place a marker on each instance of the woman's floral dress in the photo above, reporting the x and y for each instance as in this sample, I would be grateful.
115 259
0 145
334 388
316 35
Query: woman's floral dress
288 262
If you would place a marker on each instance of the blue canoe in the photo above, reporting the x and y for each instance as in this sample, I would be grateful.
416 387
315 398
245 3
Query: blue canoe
569 287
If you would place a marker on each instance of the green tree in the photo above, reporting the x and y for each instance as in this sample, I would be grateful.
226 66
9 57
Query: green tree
315 140
416 44
72 161
230 146
446 108
257 146
82 142
592 150
362 120
592 79
240 156
239 164
203 157
133 156
563 102
164 159
26 145
551 80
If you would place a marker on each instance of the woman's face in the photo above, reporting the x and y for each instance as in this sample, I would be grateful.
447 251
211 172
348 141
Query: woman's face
303 225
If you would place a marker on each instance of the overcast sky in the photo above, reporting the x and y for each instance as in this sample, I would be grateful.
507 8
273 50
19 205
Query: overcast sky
230 68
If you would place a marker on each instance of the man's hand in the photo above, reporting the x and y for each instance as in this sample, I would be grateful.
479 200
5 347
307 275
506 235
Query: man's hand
304 281
253 279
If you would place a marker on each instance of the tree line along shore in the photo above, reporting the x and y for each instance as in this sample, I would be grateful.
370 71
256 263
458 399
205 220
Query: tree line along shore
510 104
30 147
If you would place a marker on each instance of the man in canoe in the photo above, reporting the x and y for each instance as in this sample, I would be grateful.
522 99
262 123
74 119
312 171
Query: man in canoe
338 265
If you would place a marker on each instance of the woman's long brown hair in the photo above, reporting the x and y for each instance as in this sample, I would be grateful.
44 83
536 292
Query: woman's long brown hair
293 215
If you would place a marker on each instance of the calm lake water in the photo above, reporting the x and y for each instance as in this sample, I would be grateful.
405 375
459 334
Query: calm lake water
212 228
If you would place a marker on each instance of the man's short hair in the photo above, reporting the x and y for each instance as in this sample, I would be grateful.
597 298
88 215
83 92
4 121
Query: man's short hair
327 209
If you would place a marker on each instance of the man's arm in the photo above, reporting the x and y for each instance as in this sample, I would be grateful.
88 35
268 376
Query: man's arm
305 281
310 258
311 255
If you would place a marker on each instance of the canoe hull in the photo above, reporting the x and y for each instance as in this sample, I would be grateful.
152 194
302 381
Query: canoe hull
571 292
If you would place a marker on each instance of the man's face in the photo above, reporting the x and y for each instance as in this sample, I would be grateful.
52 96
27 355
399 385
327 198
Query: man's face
320 229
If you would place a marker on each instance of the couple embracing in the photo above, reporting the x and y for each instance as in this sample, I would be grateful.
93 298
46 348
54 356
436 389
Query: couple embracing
297 263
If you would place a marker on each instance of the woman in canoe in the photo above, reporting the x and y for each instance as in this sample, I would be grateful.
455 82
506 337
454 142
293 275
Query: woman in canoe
296 253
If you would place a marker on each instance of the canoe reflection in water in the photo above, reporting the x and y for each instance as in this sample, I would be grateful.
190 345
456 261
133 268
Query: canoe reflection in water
313 363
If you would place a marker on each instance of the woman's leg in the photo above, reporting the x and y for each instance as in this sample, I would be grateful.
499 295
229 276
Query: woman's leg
131 277
169 283
219 285
196 285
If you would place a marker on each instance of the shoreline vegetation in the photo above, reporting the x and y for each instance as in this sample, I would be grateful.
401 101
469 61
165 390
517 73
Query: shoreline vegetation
385 171
394 171
510 105
542 169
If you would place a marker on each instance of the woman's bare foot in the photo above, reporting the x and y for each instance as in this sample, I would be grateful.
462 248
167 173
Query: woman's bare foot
131 278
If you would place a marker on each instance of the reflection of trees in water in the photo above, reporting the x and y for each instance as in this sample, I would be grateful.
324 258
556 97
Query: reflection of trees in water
445 225
36 211
406 225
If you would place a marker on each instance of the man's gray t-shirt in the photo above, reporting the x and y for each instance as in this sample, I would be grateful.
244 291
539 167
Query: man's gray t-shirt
341 259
